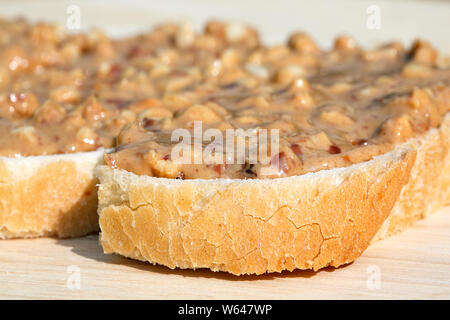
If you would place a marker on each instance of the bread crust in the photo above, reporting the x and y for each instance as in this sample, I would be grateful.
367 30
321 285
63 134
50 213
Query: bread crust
428 188
50 195
327 218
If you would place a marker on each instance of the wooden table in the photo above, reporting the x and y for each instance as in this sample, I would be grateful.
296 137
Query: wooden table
414 264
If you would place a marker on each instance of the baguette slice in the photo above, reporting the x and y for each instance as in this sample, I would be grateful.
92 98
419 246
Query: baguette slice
50 195
257 226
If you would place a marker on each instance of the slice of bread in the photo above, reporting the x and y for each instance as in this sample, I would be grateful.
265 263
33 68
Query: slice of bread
257 226
50 195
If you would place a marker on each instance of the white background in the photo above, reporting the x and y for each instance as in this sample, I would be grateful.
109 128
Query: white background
400 20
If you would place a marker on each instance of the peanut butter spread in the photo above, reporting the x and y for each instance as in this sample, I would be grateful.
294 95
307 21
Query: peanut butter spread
63 93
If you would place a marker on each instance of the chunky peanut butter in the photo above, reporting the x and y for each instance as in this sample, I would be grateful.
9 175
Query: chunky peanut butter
64 93
67 93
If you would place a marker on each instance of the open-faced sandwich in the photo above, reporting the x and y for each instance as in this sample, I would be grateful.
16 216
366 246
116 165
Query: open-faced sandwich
221 152
64 98
362 141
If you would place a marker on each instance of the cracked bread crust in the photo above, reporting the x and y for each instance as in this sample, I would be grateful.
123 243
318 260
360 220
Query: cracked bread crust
52 195
251 226
258 226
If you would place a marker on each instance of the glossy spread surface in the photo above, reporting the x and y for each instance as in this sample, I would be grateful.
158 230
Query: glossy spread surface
67 93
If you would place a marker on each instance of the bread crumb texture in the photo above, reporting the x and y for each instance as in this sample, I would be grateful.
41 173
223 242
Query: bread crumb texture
48 196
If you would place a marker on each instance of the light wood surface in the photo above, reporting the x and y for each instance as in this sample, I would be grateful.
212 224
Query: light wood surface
414 264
